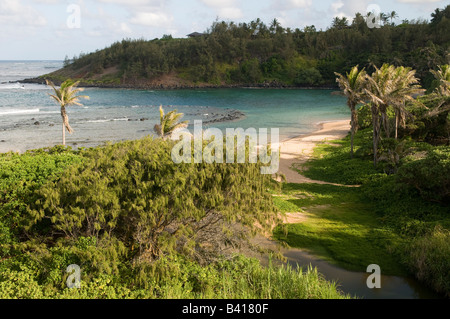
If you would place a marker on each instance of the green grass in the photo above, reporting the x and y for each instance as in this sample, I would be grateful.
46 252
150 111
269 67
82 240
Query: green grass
385 221
332 161
178 278
340 227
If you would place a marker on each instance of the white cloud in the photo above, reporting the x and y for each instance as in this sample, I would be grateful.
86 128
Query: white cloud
348 8
225 9
418 1
152 19
13 12
47 1
285 5
124 28
133 3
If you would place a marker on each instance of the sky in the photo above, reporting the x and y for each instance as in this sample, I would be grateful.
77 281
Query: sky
54 29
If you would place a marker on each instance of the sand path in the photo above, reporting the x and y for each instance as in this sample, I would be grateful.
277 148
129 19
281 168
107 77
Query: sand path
296 151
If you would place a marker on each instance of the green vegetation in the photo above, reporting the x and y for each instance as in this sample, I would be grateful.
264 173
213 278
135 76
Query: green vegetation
138 225
340 227
20 177
397 220
255 53
400 214
168 278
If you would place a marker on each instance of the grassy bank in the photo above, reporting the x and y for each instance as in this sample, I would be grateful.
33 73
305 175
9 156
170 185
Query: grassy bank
172 278
386 221
339 227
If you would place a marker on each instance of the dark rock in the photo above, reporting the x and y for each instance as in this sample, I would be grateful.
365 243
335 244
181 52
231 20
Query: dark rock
37 123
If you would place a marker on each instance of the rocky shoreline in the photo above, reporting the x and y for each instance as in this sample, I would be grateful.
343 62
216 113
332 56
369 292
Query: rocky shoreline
162 86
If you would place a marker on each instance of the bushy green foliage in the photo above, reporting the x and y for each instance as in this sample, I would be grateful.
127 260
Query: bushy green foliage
133 191
309 76
364 116
101 208
411 201
176 277
20 177
429 176
428 257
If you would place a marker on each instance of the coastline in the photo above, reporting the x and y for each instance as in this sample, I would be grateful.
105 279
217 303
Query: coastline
294 150
179 85
297 150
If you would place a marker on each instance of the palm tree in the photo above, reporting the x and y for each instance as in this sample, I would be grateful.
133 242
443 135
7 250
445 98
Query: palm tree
393 15
404 87
443 77
390 86
65 96
353 86
377 90
274 25
169 123
384 17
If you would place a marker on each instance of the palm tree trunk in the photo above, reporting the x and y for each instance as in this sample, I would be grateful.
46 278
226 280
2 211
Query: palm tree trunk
65 124
351 151
63 134
396 124
353 130
376 135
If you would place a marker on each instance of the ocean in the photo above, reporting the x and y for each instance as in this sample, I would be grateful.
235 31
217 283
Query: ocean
30 119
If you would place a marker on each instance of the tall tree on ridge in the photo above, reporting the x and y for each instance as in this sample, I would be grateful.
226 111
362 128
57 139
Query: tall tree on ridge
393 15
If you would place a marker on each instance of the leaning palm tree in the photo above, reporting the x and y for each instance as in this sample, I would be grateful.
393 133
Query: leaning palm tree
169 123
65 96
353 86
405 86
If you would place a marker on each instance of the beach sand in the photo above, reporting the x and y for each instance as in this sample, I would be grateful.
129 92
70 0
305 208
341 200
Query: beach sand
296 151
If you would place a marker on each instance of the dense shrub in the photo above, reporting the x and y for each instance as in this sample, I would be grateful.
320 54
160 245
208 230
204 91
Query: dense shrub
134 192
428 257
20 177
429 176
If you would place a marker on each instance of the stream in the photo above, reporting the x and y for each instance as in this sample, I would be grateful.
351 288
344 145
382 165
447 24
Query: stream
351 282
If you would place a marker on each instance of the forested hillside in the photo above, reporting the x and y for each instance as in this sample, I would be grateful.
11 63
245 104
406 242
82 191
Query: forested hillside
256 53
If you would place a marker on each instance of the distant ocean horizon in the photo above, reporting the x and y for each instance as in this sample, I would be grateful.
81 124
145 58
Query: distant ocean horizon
30 119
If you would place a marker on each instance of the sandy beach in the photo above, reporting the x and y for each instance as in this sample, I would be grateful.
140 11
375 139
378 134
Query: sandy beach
296 151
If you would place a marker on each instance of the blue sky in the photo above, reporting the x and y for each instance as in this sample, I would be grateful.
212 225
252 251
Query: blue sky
52 29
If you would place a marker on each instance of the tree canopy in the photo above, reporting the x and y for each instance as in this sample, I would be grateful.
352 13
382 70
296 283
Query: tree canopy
256 53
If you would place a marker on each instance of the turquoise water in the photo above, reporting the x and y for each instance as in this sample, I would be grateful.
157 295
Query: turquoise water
29 118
